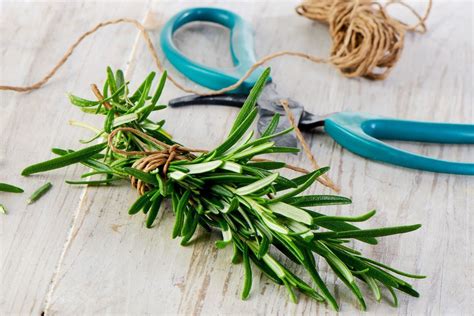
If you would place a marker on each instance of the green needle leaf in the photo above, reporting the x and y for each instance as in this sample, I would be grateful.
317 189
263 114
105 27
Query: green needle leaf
268 165
5 187
202 167
153 212
178 224
317 200
247 275
309 264
63 161
249 104
139 204
93 182
318 220
40 192
159 88
257 185
292 212
314 175
237 134
377 232
124 119
272 126
373 286
144 176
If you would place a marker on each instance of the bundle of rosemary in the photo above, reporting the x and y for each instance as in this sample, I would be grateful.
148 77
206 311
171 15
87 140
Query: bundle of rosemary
259 212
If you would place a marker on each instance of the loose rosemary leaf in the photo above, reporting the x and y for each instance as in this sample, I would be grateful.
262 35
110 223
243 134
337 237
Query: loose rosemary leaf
40 192
5 187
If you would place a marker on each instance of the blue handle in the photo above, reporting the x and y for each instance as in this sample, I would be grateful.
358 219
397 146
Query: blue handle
241 47
360 134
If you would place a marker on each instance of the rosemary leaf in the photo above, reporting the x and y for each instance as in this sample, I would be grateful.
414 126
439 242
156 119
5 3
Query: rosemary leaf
247 274
317 200
63 161
40 192
257 185
5 187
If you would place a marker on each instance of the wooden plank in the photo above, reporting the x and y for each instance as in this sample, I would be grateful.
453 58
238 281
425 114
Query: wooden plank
34 37
113 265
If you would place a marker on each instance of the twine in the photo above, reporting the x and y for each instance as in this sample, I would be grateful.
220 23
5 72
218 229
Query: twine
324 180
366 40
153 159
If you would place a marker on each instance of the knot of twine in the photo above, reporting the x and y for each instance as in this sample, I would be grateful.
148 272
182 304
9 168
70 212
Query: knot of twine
152 160
366 40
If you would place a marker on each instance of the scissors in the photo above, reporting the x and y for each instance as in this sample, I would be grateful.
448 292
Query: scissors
360 133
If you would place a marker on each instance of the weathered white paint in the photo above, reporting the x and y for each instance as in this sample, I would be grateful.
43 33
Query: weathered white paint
77 251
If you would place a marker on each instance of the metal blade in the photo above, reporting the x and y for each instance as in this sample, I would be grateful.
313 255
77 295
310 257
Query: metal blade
268 105
235 100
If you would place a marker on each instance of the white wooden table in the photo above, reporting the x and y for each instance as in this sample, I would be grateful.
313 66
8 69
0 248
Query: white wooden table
76 251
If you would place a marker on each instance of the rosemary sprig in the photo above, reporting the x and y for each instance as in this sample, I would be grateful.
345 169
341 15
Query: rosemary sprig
261 213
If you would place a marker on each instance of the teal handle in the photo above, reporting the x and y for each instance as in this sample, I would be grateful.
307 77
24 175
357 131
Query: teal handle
241 48
361 134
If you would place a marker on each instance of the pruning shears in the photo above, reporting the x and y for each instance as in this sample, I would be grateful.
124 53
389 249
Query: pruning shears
360 133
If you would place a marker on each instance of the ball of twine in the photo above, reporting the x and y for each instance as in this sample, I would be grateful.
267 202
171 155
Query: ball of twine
366 40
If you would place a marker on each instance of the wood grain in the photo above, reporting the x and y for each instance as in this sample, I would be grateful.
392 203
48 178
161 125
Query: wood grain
78 252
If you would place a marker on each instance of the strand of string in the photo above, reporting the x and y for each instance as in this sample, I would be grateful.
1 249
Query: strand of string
324 180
